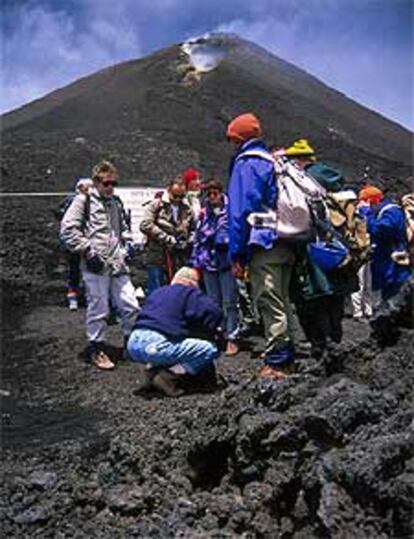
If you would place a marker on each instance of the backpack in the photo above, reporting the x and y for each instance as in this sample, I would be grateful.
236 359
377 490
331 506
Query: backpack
330 178
298 196
349 226
64 206
407 203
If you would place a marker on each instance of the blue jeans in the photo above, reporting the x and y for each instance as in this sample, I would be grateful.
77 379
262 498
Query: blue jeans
156 278
194 355
221 286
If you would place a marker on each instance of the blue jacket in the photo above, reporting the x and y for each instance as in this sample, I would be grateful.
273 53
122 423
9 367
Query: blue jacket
388 234
178 311
211 239
252 188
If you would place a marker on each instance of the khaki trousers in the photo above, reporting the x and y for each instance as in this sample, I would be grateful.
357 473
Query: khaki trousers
270 273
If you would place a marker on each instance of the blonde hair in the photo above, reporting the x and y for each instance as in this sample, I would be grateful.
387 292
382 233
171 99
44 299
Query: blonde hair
103 167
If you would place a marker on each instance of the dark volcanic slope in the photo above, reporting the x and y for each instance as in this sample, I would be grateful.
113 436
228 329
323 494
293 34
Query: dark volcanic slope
322 455
152 117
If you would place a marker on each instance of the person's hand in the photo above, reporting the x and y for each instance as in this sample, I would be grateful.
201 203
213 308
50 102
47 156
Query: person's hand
94 262
129 250
181 245
238 270
170 241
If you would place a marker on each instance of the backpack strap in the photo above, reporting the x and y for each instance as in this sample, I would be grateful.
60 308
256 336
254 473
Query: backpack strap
256 153
386 208
86 211
123 214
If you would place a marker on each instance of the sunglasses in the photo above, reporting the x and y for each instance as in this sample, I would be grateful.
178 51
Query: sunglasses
213 193
109 183
177 197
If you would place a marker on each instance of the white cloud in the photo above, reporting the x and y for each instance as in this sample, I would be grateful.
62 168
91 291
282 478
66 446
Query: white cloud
49 50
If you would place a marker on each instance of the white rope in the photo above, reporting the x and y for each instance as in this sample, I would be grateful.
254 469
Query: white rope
33 194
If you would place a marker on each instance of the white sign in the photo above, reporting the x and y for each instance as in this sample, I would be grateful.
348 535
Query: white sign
134 200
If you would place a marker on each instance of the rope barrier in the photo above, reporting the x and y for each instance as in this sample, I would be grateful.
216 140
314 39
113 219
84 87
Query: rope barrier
5 195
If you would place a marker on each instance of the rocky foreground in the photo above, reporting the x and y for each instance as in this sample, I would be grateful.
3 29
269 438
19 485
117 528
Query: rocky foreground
328 453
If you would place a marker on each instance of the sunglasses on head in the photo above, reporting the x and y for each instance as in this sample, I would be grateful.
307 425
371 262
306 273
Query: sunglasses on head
109 183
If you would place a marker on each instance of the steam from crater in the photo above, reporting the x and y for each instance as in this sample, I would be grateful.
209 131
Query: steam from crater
205 53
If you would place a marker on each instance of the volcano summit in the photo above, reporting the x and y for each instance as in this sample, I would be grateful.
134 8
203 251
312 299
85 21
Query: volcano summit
176 103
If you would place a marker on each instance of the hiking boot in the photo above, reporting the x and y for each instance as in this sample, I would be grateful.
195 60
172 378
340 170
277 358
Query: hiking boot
101 360
203 382
146 377
232 349
167 382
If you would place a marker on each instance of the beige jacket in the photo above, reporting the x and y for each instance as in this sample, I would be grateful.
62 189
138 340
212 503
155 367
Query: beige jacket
97 223
158 224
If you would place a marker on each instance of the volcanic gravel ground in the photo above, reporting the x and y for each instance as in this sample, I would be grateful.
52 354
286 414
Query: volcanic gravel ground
328 453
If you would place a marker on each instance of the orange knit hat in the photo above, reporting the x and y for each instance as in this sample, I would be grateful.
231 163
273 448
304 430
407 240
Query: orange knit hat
371 194
244 127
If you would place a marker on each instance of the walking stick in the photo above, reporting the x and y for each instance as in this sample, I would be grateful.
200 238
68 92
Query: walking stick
169 265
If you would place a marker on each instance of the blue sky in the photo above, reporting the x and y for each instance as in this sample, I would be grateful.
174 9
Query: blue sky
364 48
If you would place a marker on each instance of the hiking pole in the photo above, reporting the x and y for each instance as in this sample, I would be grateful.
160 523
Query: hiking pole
169 265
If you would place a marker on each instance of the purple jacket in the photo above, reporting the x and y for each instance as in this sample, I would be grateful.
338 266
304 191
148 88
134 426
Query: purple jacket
211 240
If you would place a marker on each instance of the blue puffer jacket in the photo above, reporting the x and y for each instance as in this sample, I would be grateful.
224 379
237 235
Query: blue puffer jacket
252 188
386 225
211 239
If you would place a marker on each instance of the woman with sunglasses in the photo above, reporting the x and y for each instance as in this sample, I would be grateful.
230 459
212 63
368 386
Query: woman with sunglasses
211 256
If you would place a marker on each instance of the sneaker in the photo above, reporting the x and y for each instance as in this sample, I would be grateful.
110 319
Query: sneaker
167 382
232 349
102 361
73 304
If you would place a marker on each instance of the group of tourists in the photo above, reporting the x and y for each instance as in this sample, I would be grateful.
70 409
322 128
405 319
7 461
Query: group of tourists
287 241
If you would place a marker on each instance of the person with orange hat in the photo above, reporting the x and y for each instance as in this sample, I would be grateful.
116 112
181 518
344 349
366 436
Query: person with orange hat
253 188
386 225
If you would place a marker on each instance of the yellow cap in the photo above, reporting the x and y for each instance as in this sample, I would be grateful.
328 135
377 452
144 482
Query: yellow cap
300 147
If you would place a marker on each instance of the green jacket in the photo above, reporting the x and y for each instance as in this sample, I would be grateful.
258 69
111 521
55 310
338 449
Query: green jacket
309 282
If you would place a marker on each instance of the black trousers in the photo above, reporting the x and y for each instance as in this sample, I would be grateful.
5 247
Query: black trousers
321 318
74 273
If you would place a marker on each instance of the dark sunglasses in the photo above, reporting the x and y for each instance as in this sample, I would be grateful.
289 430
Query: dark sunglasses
213 193
109 183
177 197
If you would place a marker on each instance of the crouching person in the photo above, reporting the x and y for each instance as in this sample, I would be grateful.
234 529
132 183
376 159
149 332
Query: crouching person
174 334
94 226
